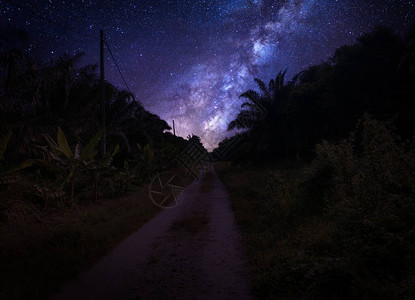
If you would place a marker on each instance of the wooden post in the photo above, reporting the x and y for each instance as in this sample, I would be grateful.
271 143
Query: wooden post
103 143
174 129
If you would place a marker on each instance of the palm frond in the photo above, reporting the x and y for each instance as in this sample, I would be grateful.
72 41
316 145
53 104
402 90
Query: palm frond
262 86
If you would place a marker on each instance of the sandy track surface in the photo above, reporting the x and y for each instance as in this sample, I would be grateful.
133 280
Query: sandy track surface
192 251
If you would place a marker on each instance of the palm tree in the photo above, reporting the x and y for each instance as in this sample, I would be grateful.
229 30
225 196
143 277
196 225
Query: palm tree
261 106
263 113
36 100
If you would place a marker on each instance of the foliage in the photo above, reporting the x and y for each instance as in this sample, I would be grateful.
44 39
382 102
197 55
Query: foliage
127 176
47 189
146 154
285 120
368 166
10 168
58 244
37 98
341 228
72 163
38 227
371 198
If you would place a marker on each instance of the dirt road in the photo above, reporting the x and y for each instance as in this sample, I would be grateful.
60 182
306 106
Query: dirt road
192 251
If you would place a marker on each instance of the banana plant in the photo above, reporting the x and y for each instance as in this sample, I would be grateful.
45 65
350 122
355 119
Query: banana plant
72 163
102 166
47 189
128 175
145 159
146 154
10 168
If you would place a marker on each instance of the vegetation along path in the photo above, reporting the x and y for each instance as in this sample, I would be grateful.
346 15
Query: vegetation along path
192 251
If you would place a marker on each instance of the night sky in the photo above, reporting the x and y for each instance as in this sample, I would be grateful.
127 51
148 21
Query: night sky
189 60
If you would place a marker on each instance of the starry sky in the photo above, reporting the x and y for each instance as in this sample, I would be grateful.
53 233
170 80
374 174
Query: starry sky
189 60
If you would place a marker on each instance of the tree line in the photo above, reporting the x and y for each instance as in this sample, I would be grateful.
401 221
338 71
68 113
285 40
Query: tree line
50 111
286 119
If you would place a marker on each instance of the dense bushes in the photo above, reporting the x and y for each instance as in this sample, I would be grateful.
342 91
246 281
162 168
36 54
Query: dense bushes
340 228
37 98
370 194
370 167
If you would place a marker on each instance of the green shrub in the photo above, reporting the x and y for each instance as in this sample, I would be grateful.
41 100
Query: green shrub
342 228
366 184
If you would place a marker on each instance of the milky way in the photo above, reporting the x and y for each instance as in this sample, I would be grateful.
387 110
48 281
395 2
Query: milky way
189 60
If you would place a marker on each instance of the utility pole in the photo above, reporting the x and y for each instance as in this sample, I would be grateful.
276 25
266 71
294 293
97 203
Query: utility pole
103 143
174 129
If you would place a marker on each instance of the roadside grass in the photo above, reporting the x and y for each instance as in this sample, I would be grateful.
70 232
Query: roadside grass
302 246
266 233
39 256
40 251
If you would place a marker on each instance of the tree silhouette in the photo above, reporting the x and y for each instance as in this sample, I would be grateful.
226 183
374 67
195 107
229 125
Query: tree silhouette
287 119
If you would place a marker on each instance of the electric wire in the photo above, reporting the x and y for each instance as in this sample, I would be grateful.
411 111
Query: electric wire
118 68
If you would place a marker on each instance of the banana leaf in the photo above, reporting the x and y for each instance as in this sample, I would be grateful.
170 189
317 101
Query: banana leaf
63 144
47 165
89 149
16 167
52 145
4 142
108 158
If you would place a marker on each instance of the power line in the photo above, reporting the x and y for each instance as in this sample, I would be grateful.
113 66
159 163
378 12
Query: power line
118 68
73 31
